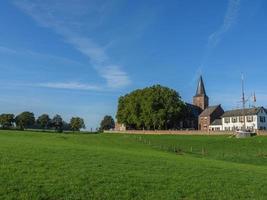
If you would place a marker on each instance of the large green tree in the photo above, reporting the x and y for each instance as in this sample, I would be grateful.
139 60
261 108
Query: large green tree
25 120
6 120
107 123
57 123
43 121
77 123
155 107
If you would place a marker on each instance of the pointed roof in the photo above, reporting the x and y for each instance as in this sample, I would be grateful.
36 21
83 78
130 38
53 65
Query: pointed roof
209 110
200 88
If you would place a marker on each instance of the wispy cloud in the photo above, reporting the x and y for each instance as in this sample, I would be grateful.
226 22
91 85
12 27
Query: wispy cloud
64 19
69 86
7 50
216 37
114 76
229 20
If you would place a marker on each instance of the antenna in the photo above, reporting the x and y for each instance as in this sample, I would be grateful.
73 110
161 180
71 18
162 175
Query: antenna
243 101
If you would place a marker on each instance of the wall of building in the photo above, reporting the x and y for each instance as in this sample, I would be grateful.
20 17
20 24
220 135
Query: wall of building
201 101
238 125
262 125
256 124
216 128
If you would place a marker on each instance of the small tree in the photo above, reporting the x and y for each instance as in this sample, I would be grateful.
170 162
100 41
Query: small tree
25 120
57 123
76 123
6 120
107 123
43 121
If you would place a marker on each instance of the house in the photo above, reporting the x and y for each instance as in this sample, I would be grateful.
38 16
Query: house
119 127
208 116
216 125
255 119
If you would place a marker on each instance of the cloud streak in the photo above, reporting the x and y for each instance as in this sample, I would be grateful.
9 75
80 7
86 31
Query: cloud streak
64 20
229 20
69 86
216 37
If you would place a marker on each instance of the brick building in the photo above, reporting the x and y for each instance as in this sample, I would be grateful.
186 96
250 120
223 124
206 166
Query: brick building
208 116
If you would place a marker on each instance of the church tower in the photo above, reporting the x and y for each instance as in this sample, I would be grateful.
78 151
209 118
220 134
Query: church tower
201 99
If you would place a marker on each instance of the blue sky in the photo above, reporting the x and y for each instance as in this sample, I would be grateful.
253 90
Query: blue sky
76 57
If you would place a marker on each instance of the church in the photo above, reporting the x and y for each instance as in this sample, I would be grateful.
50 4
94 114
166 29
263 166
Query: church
200 114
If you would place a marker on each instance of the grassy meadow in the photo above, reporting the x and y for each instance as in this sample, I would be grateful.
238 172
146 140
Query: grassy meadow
117 166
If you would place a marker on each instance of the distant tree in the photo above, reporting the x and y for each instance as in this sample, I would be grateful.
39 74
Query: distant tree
66 126
155 107
43 121
76 123
107 123
25 120
6 120
57 123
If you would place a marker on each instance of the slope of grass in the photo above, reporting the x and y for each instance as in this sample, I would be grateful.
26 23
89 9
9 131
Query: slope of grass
114 166
249 150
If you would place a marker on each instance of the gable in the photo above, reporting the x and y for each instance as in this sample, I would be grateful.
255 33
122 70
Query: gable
209 111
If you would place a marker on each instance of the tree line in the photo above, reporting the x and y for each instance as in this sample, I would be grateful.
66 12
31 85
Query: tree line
26 120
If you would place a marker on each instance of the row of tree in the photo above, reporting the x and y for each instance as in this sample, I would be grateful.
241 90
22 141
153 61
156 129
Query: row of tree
151 108
26 120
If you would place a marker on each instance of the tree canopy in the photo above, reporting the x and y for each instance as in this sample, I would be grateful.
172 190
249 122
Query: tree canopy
155 107
57 123
25 120
6 120
43 121
77 123
107 123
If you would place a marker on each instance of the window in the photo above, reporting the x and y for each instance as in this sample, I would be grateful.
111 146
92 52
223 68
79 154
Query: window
227 120
262 119
227 129
249 118
241 119
234 119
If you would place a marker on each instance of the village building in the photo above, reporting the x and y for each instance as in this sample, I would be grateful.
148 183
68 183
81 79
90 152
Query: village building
216 125
208 116
255 119
119 127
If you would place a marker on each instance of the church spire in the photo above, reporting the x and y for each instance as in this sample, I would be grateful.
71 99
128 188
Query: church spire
201 99
200 88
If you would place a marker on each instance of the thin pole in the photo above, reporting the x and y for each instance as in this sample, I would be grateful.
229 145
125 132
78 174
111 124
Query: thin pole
243 102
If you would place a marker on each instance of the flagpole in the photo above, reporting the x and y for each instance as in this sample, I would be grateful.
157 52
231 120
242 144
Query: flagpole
243 101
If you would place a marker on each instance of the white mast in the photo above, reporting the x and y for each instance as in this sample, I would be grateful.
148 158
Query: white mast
243 103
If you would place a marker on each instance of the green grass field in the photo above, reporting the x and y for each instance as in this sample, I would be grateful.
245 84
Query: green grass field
116 166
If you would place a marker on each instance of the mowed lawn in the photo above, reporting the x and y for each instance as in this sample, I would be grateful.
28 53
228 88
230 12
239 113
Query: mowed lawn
117 166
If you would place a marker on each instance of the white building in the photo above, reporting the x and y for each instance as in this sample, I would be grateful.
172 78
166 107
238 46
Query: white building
255 119
216 125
